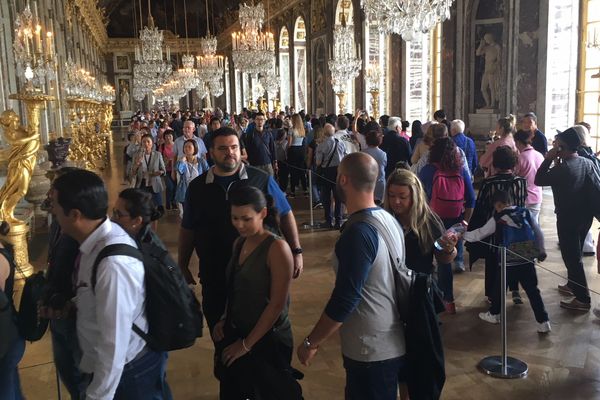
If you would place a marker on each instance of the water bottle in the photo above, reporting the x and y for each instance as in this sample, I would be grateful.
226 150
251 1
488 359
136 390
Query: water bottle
457 230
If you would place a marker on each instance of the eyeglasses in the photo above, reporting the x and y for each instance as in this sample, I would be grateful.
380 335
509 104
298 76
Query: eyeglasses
118 214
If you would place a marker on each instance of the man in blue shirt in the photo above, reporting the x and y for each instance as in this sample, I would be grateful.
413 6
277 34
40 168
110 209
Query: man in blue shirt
206 225
260 145
538 139
466 144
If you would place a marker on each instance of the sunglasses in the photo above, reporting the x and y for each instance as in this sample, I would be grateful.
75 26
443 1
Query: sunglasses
118 214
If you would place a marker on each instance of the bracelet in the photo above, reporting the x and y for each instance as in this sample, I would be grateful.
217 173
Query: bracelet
244 346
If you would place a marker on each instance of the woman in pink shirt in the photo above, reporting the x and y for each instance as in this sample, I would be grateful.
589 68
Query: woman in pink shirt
529 162
505 129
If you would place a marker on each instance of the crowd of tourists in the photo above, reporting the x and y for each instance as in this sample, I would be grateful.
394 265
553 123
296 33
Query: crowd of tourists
403 200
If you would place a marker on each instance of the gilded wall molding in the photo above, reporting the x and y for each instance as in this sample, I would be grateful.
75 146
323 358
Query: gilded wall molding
176 45
92 16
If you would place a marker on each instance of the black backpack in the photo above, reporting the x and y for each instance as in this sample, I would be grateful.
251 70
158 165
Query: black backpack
31 326
173 312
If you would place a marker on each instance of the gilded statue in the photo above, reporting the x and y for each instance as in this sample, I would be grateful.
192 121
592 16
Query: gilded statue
21 157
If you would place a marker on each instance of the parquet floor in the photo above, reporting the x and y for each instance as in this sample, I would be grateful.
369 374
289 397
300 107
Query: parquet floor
562 365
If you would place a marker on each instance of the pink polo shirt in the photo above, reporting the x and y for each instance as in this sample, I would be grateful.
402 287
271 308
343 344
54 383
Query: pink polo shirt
529 162
486 159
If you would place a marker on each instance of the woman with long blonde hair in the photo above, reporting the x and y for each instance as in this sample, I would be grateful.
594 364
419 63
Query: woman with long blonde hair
405 199
297 154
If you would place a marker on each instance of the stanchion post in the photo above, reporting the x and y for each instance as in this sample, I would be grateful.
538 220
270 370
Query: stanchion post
503 366
503 306
310 197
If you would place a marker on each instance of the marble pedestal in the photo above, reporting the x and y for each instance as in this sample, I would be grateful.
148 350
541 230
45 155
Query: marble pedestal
480 125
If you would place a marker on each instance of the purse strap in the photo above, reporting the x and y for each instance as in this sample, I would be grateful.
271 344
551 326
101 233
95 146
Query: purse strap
332 153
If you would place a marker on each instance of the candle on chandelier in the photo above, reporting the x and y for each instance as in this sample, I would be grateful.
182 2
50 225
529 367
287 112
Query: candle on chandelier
38 39
49 45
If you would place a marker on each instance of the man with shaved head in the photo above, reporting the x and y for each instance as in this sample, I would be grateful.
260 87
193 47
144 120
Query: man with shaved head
363 302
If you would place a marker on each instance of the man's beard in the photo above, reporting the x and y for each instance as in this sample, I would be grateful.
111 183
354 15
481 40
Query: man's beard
228 167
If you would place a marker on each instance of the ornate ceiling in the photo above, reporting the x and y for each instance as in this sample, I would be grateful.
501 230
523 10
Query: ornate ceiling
122 23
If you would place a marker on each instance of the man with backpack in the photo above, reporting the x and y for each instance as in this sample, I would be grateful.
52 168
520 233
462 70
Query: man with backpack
363 305
117 360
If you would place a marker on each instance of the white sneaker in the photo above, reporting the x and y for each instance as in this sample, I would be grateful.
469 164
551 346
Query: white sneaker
491 318
596 312
544 327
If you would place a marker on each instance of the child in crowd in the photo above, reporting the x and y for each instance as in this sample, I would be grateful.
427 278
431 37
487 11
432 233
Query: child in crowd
516 230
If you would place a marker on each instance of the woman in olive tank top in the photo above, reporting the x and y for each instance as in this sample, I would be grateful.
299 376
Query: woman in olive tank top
254 337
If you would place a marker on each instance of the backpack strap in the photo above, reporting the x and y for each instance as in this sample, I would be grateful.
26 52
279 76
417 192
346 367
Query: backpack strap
118 249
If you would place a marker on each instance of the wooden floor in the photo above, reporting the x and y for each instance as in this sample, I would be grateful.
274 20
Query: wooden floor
562 365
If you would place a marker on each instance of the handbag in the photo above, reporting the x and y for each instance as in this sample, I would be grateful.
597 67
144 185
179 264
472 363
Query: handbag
31 326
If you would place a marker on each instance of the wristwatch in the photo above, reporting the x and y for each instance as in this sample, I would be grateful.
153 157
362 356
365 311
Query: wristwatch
297 250
308 345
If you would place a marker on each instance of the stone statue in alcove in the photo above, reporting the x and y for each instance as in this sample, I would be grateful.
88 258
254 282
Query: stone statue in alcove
490 81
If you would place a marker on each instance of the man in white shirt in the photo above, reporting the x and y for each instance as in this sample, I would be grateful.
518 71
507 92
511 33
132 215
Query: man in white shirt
350 143
188 133
117 359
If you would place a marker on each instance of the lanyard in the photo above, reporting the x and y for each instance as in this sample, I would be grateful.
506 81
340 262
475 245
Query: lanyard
147 160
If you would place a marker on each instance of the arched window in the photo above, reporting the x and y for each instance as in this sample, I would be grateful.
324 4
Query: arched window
228 105
344 8
561 69
300 64
423 71
284 67
376 47
239 96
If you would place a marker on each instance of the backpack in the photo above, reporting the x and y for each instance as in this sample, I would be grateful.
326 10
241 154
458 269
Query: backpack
173 312
31 326
447 194
415 302
403 276
517 235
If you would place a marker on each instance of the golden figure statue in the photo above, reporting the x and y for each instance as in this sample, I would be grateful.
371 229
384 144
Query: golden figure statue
21 157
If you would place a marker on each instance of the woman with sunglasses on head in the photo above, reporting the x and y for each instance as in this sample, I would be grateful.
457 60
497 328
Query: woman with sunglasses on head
134 211
254 337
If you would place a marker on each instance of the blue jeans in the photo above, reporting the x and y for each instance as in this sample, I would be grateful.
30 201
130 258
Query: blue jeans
170 185
10 387
377 380
315 188
445 277
67 356
145 378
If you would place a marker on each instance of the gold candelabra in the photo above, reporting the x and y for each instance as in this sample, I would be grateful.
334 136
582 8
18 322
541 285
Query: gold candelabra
21 156
341 102
375 102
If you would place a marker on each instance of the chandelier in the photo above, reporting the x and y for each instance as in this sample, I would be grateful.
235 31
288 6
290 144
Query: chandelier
345 63
211 66
150 69
33 50
188 74
252 49
270 80
407 18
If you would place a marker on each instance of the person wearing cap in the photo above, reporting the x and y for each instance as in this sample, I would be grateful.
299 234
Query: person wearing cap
568 178
538 139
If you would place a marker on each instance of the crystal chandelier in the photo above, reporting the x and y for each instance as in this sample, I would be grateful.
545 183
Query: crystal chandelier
33 49
407 18
270 80
252 49
150 69
345 63
211 66
188 74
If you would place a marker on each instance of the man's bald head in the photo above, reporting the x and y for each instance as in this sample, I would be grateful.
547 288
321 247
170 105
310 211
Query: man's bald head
329 130
362 171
